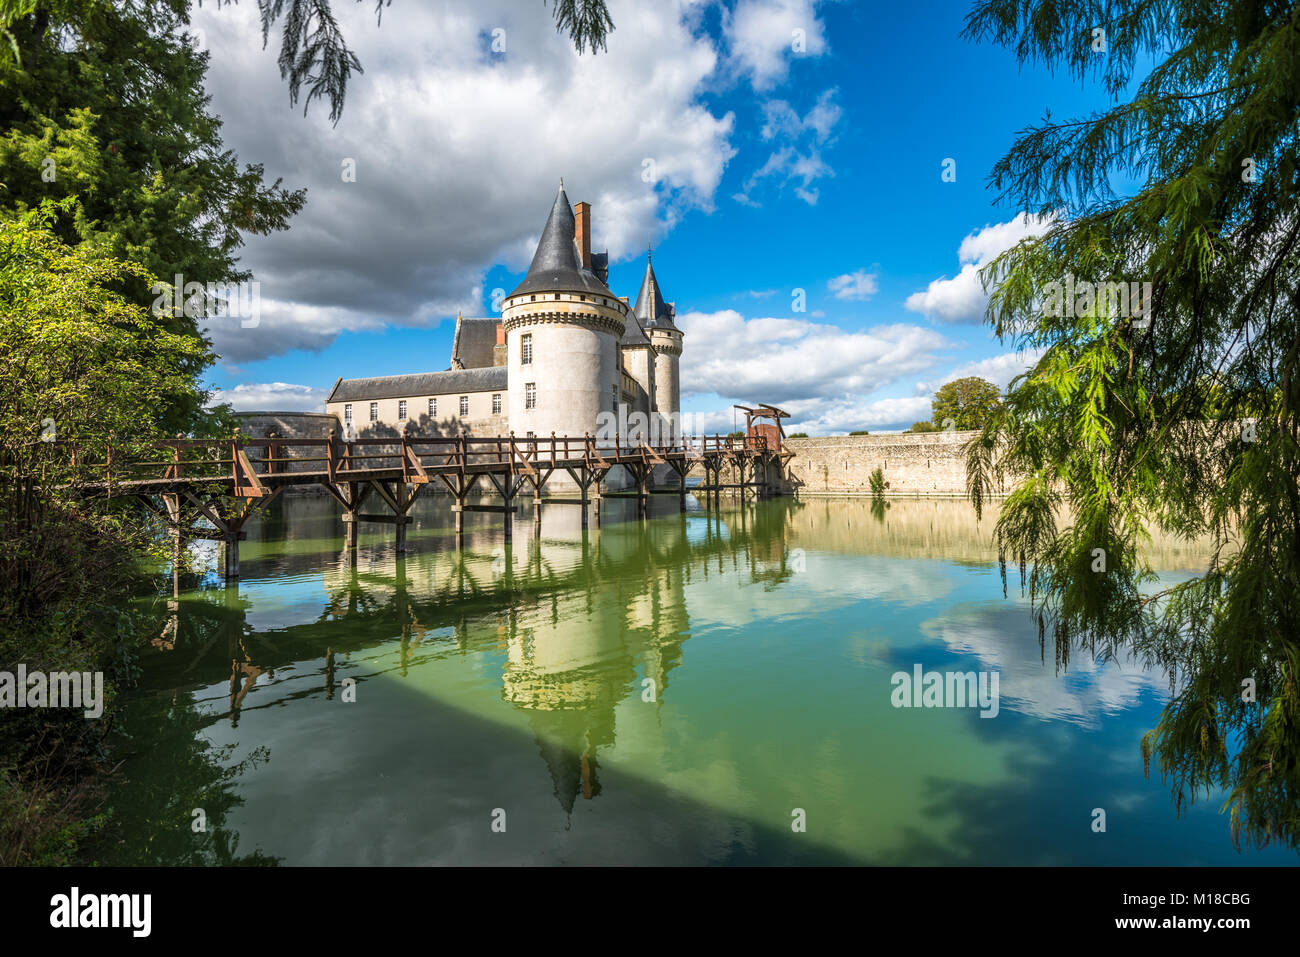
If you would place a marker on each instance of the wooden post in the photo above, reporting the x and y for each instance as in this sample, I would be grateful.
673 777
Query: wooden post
584 485
402 495
173 505
235 446
354 491
232 555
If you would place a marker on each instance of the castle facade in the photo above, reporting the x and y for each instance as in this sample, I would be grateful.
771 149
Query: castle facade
566 356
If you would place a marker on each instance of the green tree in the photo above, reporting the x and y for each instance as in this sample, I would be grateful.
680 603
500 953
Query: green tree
923 427
964 403
104 102
78 360
1186 413
877 483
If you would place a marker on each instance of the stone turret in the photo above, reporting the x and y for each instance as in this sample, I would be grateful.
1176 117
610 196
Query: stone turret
656 318
562 327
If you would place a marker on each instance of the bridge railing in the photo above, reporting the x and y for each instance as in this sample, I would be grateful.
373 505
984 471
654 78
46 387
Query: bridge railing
247 460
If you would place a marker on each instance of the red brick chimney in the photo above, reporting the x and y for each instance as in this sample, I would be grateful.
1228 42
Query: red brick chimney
582 231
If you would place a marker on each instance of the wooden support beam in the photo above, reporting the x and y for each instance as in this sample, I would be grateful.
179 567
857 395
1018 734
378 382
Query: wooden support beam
211 535
247 484
388 492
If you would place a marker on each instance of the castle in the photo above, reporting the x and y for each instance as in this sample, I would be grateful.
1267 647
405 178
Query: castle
567 356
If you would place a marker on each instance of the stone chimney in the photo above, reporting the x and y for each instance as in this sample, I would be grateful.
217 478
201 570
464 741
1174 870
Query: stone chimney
499 350
582 232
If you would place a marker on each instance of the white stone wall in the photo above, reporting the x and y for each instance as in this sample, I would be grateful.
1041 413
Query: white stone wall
575 369
448 421
926 463
667 385
640 366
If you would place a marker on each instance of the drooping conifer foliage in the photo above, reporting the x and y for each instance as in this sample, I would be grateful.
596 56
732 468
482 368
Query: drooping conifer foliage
314 52
1175 404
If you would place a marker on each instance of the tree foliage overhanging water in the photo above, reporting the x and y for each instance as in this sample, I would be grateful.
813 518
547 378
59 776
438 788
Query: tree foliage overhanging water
1186 410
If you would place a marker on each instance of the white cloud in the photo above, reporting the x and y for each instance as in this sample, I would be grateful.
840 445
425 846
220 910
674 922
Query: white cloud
855 285
798 158
272 397
1002 637
780 119
999 370
458 152
962 298
782 360
764 36
850 413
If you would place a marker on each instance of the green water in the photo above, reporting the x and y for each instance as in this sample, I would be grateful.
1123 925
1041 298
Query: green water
684 689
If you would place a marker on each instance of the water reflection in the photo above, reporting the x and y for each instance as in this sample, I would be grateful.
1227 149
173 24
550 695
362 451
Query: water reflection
379 710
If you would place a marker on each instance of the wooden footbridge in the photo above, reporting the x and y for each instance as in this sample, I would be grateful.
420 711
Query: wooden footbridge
226 482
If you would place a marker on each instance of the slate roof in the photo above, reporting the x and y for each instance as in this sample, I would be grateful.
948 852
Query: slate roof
633 334
474 341
488 379
651 310
557 264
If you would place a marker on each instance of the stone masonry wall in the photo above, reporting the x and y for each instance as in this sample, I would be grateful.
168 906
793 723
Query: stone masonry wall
289 425
916 464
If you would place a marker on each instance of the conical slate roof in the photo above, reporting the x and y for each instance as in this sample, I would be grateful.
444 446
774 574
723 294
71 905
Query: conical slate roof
651 310
557 264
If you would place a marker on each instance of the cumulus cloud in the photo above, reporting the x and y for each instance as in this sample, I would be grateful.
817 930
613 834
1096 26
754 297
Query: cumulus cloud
764 36
999 370
855 285
962 298
785 360
851 413
1004 640
272 396
457 153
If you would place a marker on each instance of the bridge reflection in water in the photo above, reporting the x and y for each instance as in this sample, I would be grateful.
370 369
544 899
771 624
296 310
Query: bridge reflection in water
381 709
585 617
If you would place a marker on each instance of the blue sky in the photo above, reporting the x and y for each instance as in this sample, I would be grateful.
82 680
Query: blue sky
774 170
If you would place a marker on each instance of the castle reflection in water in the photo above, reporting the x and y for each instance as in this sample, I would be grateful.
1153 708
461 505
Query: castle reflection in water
586 617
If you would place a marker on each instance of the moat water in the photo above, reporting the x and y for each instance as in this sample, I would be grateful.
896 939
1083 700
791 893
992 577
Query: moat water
713 687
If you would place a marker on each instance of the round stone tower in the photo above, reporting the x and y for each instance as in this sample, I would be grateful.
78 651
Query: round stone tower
562 327
656 318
